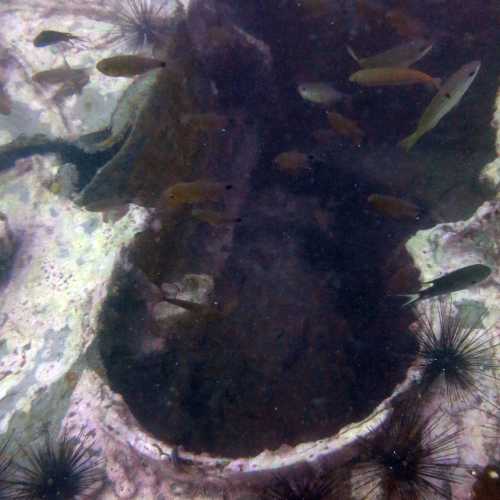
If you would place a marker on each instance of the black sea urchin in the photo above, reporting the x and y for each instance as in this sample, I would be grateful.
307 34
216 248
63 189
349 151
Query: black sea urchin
453 353
140 24
301 488
60 470
410 458
5 463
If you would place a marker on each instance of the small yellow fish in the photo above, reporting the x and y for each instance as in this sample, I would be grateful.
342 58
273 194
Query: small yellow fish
220 37
205 311
324 136
189 193
316 8
128 65
71 87
205 121
320 93
49 37
61 74
393 207
449 95
405 25
374 77
397 19
345 127
291 162
213 217
371 13
401 56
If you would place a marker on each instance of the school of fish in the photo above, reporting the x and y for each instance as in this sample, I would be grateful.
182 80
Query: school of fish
388 68
385 69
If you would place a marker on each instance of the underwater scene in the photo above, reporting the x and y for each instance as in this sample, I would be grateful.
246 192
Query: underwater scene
249 249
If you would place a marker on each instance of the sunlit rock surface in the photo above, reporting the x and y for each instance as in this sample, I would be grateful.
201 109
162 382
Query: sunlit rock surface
490 175
52 293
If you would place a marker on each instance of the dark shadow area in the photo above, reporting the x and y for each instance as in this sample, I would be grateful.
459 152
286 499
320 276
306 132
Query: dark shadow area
313 339
311 344
87 163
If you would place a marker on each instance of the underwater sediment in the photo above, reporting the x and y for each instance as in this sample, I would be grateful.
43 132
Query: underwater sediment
222 323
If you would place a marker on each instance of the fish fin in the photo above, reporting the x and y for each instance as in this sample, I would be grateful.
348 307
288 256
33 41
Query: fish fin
412 298
184 304
353 54
409 141
65 62
433 85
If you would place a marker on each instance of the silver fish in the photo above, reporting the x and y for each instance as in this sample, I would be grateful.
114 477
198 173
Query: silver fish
320 93
402 56
444 101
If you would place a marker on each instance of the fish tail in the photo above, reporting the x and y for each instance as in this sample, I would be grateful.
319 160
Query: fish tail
352 54
412 298
409 141
433 84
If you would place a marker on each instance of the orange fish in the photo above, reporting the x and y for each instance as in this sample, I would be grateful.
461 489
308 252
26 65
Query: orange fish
370 12
72 378
404 24
324 135
213 217
292 162
374 77
190 193
393 207
220 37
128 65
205 121
345 127
315 8
397 19
61 74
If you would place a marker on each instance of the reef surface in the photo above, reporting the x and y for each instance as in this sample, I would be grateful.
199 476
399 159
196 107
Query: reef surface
207 345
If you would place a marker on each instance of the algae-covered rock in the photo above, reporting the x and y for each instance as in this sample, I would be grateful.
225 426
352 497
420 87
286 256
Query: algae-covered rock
490 175
159 148
52 296
123 117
